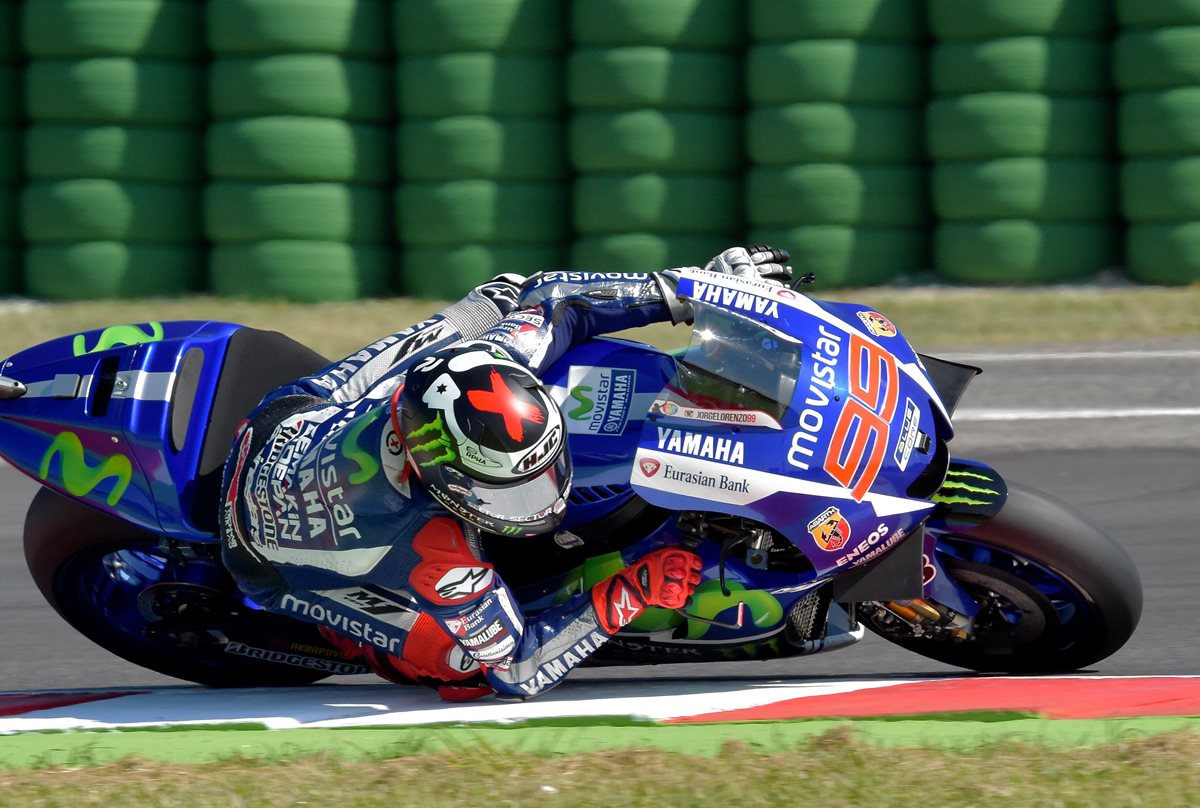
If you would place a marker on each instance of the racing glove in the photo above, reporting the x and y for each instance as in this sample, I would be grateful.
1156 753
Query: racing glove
756 262
666 578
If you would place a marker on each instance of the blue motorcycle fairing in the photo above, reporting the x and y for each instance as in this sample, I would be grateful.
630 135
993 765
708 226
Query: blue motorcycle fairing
99 421
858 418
605 388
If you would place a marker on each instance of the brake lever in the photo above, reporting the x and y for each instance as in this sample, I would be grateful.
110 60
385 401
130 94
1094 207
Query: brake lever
741 613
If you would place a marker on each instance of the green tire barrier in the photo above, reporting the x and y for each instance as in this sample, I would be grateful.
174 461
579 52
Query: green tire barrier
1167 254
106 210
317 84
839 70
300 271
1016 251
10 94
114 89
1160 123
477 146
156 154
657 203
10 40
683 24
1025 188
10 155
109 269
652 140
481 212
829 193
243 211
10 232
833 133
348 28
849 256
989 19
1161 190
171 29
298 149
447 273
1157 13
651 76
1157 60
10 268
459 26
1030 64
789 20
480 84
986 125
644 252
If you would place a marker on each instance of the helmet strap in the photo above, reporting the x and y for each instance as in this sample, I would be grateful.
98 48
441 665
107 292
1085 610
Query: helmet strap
395 416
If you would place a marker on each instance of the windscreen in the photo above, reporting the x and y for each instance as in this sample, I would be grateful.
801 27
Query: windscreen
736 363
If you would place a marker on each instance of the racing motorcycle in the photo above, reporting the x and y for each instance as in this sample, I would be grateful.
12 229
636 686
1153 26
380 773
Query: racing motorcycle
800 447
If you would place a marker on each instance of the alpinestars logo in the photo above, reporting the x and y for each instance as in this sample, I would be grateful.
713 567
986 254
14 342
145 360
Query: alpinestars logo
463 582
623 609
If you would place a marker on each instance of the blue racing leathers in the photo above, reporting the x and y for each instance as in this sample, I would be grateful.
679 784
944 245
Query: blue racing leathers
323 521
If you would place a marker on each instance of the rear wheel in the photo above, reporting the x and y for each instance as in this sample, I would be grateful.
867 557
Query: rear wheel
1055 592
171 609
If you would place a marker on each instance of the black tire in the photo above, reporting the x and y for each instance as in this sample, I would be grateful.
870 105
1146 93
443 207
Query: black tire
1054 537
63 535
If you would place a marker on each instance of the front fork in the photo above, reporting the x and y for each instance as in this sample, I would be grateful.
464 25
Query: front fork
971 493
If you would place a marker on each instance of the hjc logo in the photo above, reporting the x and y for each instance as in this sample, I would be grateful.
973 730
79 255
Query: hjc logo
540 454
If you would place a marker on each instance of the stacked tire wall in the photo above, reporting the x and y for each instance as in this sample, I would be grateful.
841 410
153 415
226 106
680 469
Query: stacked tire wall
1157 70
113 95
655 131
1019 132
836 91
298 149
337 149
480 145
10 148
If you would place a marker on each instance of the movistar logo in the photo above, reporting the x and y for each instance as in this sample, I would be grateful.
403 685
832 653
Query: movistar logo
368 463
116 335
585 405
438 440
958 480
78 477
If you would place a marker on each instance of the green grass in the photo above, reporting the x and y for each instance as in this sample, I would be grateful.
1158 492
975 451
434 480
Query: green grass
835 769
934 318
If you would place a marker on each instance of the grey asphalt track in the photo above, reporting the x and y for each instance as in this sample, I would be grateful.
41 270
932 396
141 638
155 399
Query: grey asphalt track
1116 435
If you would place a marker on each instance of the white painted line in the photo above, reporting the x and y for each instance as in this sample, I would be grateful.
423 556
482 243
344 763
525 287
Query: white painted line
1074 415
971 358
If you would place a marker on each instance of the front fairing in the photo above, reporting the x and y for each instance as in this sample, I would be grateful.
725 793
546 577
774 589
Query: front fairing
825 451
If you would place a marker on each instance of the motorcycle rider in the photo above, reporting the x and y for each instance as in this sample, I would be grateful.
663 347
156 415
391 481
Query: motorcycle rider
354 498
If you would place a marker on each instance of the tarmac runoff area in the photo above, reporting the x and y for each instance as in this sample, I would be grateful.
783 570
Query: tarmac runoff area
199 725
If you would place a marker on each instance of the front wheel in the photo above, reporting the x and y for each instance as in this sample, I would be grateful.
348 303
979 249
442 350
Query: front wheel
1055 592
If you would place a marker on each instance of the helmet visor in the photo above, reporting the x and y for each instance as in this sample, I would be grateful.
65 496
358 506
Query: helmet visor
526 508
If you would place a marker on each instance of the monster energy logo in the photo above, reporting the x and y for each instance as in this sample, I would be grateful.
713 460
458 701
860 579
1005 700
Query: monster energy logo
78 477
116 335
957 481
510 530
439 439
585 404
